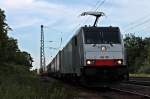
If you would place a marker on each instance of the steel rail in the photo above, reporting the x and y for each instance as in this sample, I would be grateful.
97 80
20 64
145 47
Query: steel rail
131 92
139 81
135 84
144 83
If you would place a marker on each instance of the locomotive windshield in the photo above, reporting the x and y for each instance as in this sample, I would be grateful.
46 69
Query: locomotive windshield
102 36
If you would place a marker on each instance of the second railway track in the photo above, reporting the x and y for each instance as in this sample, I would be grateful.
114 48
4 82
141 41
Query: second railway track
139 90
139 81
118 91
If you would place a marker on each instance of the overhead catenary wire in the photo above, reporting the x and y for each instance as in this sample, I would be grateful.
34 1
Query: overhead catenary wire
144 30
57 32
137 25
137 20
98 4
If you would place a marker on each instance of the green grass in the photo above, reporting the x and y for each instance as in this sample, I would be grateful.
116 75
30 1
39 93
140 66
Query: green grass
35 90
139 75
17 83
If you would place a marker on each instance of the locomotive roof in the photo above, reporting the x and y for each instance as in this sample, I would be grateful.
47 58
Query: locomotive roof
100 28
108 28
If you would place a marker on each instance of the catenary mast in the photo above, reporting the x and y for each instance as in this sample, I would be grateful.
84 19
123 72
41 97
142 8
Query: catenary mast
42 53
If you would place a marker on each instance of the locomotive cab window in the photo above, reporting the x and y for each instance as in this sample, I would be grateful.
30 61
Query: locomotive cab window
106 36
92 38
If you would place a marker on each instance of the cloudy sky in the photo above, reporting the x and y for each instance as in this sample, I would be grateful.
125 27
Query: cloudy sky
61 19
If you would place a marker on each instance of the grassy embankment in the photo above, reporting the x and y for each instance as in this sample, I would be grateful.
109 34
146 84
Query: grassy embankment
18 83
139 75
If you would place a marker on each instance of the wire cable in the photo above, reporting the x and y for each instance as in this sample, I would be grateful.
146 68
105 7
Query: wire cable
139 24
137 20
99 5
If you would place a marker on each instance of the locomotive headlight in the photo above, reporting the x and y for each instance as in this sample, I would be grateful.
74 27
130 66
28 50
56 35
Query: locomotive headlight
119 62
88 62
103 48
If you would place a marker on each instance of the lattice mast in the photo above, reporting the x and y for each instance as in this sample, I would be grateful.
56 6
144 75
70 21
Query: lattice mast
42 53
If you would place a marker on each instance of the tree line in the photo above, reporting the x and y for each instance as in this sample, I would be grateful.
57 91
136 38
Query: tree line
138 53
9 50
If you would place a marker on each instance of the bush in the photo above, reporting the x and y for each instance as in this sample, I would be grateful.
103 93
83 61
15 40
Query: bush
144 69
17 83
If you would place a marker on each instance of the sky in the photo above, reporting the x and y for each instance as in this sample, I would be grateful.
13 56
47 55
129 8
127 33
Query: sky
61 18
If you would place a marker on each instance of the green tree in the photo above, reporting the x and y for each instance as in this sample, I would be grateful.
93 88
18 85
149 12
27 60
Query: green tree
23 58
146 64
147 50
135 51
9 51
3 35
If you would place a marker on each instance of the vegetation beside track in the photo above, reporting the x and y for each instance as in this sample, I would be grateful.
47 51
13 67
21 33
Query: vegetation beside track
138 54
21 84
139 75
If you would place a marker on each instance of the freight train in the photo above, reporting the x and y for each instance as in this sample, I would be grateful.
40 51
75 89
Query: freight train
93 54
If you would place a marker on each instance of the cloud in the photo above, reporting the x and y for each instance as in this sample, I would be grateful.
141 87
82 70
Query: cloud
46 12
39 11
16 4
20 22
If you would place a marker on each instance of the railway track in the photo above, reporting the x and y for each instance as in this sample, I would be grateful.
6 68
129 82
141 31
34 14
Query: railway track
139 81
144 83
140 78
119 91
134 89
145 96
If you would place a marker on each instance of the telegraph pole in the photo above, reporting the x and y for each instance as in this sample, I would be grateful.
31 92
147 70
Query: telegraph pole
42 53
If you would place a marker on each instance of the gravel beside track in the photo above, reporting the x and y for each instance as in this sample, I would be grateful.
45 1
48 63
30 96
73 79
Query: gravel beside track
145 83
119 91
140 90
140 78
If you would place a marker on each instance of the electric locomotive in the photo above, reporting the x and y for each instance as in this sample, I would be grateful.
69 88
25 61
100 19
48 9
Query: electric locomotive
93 54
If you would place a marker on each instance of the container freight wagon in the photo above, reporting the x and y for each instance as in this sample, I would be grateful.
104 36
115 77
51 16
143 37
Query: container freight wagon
54 68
